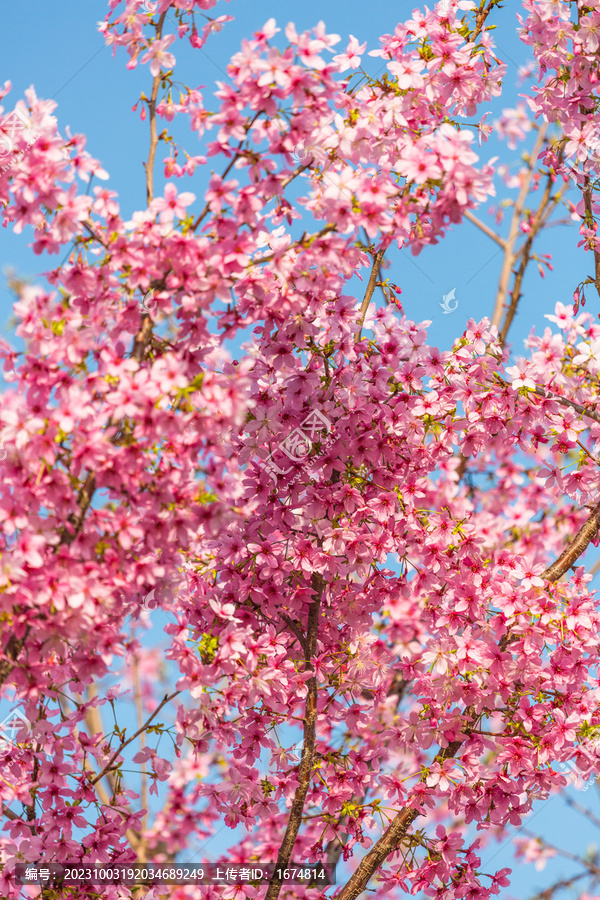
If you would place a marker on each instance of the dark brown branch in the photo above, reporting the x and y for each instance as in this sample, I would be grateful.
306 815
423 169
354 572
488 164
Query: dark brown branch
480 20
142 338
574 550
397 830
564 401
308 746
294 627
15 818
548 394
13 648
83 502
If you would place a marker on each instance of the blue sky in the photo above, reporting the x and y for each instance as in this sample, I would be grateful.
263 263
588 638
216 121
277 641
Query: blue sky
57 49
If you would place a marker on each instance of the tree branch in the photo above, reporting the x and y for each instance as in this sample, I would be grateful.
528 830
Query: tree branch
108 767
509 255
544 210
574 550
369 291
480 20
149 166
308 747
396 831
140 720
485 228
13 648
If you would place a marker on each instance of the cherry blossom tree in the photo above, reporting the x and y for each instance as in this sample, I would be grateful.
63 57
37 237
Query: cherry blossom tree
382 643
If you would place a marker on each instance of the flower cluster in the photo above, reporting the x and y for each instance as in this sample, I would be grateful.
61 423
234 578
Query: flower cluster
411 622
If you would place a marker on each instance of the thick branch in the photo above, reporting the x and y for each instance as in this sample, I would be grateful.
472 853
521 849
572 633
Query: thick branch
396 831
574 550
308 747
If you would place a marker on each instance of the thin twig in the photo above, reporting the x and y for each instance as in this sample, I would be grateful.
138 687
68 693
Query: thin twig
140 719
369 291
109 766
149 166
545 209
583 810
509 255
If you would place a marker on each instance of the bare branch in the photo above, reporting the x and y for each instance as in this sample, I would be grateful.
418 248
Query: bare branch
149 166
485 228
509 255
545 209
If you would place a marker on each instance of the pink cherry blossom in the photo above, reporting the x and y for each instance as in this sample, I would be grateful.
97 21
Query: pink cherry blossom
409 597
159 55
